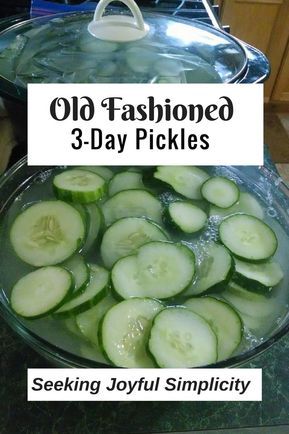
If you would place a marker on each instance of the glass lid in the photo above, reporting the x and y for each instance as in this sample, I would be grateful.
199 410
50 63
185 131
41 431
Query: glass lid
117 46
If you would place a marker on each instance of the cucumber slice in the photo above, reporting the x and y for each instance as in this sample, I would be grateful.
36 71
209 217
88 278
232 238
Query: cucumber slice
96 46
82 211
220 191
185 180
79 270
179 338
224 321
248 237
214 269
78 185
140 60
93 293
159 270
125 236
91 352
102 171
47 233
88 321
125 181
94 226
247 204
124 332
254 324
124 278
132 203
185 217
257 277
250 303
70 325
41 292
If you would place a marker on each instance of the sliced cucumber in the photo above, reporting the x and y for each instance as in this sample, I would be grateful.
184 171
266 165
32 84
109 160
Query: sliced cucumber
41 292
47 233
220 191
185 180
214 269
247 204
78 185
124 332
96 46
132 203
70 324
125 280
179 338
79 270
250 303
88 321
125 181
248 237
254 324
93 293
94 226
257 277
224 321
102 171
125 236
82 211
91 352
185 217
159 270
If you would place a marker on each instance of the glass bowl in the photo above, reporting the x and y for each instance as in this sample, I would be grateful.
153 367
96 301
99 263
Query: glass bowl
267 187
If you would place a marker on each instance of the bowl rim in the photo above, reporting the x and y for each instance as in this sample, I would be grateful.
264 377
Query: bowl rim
55 352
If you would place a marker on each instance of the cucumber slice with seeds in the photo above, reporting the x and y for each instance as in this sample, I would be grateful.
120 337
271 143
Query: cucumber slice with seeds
79 270
125 236
224 320
179 338
185 217
132 203
124 332
257 277
88 321
220 191
185 180
247 204
47 233
214 270
248 238
93 293
125 181
41 292
159 270
78 185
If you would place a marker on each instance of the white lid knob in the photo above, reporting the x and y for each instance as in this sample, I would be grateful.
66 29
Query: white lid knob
119 28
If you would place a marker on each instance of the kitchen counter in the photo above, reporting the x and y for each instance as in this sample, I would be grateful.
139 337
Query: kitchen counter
19 416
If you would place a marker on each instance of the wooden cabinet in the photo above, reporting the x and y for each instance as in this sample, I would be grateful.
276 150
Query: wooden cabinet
264 24
281 88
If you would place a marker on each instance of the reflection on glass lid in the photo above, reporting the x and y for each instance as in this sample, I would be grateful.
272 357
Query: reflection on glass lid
61 50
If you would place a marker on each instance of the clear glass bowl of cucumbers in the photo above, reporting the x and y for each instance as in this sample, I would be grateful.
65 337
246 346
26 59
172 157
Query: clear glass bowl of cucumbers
170 266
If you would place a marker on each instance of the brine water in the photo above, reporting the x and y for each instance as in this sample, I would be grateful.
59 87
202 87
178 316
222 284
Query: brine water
64 334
